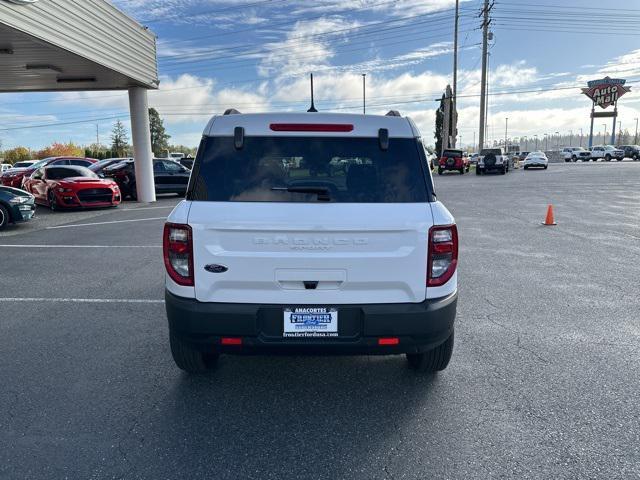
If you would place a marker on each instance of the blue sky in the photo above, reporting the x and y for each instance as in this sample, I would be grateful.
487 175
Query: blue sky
255 55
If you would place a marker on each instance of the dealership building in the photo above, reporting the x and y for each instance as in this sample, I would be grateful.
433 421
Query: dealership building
82 45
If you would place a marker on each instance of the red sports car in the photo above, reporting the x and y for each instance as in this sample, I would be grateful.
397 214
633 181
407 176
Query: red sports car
71 187
16 177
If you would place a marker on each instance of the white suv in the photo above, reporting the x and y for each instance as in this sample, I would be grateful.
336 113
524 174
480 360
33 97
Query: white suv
311 233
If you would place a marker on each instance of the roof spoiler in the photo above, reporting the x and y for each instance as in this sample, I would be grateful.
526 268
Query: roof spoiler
393 113
231 111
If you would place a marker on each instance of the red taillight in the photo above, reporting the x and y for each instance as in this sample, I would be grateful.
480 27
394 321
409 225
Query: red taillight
311 127
178 253
231 341
389 341
442 255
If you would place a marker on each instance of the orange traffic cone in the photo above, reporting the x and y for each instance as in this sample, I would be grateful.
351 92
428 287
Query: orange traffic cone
549 220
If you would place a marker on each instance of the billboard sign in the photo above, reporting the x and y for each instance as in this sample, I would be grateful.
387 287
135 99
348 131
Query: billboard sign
606 91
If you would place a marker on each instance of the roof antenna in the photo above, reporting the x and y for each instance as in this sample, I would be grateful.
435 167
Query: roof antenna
313 107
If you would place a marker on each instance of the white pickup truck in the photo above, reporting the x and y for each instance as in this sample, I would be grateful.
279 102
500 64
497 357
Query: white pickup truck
606 153
573 154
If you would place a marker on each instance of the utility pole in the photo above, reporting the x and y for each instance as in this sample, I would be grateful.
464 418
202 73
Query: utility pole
364 93
483 86
455 71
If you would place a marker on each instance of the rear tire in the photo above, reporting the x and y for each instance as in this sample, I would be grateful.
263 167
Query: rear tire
189 359
462 171
434 360
478 171
545 167
439 171
503 171
526 167
4 217
607 158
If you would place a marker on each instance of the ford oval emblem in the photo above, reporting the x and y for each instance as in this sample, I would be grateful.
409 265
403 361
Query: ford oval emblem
216 268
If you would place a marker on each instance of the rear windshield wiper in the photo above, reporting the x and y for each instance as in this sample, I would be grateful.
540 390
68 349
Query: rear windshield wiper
322 192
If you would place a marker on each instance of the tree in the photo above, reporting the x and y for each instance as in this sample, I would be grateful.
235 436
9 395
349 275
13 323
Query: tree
159 136
17 154
61 150
439 126
119 139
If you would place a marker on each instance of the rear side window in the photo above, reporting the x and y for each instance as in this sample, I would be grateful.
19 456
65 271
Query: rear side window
309 169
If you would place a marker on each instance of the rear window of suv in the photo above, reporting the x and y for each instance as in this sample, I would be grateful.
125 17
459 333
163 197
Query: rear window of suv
488 151
309 169
452 153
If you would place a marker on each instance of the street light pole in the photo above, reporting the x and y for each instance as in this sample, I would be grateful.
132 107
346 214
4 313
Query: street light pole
557 140
506 132
581 137
604 134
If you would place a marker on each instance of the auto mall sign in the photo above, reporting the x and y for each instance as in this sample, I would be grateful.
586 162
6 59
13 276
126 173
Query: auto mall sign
606 91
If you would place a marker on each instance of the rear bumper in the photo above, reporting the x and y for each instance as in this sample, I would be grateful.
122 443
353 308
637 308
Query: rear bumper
418 326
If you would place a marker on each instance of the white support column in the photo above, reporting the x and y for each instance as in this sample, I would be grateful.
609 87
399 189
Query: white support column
139 107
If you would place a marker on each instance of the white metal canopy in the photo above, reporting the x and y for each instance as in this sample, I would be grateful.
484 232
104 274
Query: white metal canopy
49 45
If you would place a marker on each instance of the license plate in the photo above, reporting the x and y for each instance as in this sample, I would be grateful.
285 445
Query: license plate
310 322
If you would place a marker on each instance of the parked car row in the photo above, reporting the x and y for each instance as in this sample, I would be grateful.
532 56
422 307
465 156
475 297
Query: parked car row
69 182
601 152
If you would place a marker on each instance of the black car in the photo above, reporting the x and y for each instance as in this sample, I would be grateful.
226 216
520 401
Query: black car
168 176
631 151
99 167
15 206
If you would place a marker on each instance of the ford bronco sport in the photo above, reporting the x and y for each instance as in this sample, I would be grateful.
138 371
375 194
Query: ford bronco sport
311 233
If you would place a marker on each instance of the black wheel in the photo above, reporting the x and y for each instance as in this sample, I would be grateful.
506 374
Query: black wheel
635 157
607 158
478 171
574 158
189 359
462 171
53 202
503 171
566 160
4 217
439 171
545 167
434 360
526 167
133 192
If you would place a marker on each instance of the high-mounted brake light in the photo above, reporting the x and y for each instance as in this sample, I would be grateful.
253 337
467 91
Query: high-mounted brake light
178 253
311 127
442 255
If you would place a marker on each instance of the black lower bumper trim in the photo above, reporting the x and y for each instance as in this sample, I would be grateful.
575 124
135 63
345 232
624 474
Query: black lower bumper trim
418 327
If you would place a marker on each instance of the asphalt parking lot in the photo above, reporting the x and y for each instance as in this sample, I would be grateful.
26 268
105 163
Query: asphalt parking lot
543 382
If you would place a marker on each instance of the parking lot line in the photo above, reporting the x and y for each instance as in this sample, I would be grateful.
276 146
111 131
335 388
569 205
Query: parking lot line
79 300
80 246
106 223
145 208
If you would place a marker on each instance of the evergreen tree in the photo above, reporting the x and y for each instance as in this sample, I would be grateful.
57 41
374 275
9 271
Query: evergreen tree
119 139
159 136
